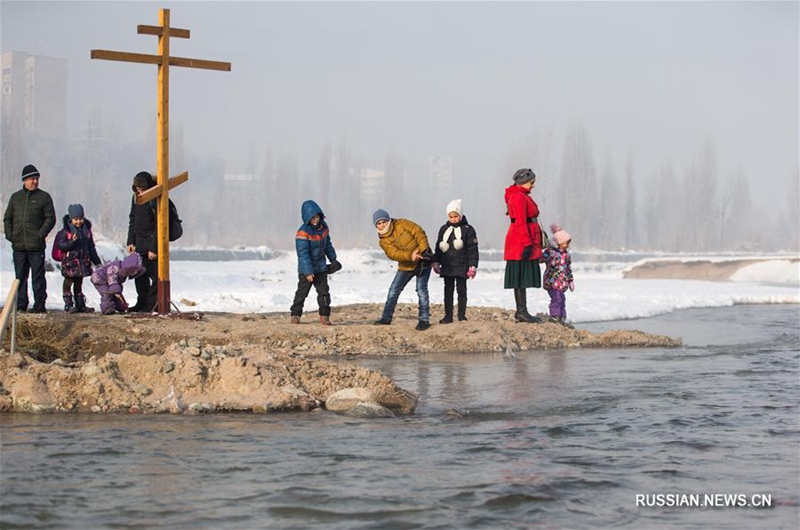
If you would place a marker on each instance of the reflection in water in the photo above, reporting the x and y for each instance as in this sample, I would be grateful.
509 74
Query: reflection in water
454 381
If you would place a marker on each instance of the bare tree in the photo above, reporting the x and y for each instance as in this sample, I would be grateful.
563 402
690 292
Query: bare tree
700 204
662 213
735 214
12 155
579 188
631 231
789 220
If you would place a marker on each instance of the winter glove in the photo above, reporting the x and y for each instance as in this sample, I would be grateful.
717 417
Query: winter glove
437 269
121 304
526 253
471 273
571 286
334 266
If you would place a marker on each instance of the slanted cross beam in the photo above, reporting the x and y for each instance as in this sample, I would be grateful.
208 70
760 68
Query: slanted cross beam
161 190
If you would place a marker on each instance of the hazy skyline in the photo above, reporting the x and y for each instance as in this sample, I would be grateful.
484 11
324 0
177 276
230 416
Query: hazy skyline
468 80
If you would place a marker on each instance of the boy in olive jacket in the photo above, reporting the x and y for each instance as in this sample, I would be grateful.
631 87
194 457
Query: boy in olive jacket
405 242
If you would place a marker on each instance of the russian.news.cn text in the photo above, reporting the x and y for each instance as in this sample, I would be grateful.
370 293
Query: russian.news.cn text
703 500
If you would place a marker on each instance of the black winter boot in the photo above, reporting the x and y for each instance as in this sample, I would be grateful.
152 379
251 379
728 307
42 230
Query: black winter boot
69 305
522 315
448 302
80 304
462 308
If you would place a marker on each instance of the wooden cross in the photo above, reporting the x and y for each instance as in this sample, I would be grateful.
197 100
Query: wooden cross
160 190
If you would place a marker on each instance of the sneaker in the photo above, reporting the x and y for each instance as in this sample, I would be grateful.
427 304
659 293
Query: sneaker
295 319
446 320
462 319
37 309
324 320
422 325
382 322
554 320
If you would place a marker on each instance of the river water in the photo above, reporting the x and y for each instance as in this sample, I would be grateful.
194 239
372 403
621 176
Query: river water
553 439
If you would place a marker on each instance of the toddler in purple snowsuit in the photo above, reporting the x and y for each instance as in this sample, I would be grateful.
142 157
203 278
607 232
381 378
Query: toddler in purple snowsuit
558 273
108 280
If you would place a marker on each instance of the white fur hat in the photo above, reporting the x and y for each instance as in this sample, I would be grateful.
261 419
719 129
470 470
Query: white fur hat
454 206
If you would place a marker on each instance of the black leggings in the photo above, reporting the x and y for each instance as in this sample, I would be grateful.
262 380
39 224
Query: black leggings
70 284
459 283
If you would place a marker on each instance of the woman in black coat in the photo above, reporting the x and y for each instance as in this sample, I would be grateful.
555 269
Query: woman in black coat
142 240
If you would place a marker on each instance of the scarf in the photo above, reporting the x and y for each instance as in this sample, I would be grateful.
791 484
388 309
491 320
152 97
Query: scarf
386 230
457 243
81 233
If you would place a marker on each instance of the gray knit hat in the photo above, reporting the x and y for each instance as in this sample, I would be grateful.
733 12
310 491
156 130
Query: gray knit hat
75 211
380 215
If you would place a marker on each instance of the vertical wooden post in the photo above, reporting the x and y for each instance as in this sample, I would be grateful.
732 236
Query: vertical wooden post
163 182
163 165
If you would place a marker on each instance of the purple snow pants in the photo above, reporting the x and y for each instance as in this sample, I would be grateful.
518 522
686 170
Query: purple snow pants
558 303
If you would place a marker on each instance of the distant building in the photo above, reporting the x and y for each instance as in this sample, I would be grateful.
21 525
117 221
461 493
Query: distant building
34 93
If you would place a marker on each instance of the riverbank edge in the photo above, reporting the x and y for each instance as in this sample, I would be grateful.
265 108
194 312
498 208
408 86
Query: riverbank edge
251 363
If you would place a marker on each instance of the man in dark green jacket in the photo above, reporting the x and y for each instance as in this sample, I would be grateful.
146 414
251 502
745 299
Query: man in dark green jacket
29 217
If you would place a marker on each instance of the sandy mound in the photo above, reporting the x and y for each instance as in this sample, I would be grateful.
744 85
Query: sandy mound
255 362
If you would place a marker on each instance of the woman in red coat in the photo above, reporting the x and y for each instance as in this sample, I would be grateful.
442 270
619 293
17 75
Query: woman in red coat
523 246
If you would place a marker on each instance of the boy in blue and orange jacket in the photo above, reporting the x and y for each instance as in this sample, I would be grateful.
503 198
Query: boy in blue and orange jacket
314 249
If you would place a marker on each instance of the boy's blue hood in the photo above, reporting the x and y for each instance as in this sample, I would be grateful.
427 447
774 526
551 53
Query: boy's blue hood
309 210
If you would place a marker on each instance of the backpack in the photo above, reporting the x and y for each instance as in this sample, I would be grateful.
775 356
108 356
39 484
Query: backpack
175 223
57 253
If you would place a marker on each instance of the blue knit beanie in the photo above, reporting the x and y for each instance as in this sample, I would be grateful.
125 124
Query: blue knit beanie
75 211
380 215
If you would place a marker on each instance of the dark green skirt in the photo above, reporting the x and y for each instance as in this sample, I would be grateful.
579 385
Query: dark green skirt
523 274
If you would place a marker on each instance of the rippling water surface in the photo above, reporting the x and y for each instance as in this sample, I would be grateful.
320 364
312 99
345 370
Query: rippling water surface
549 439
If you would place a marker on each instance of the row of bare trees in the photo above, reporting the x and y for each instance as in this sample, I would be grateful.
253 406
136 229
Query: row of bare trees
684 206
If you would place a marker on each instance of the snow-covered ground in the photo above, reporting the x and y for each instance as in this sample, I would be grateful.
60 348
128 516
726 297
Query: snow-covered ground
601 293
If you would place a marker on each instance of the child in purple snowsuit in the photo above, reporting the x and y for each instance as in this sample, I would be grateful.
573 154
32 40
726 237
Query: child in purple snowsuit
558 274
76 243
108 280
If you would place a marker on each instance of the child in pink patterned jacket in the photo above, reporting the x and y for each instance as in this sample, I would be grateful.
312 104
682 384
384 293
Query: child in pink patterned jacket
558 274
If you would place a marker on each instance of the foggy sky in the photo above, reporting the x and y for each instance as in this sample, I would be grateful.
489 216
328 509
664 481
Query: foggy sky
467 80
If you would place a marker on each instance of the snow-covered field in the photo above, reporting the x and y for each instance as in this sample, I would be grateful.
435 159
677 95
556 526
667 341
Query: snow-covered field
601 293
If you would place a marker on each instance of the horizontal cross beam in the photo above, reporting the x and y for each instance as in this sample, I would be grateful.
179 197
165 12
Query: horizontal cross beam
158 30
129 57
155 191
